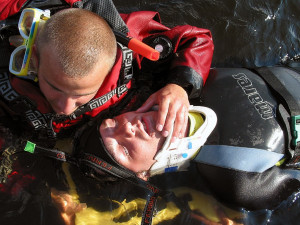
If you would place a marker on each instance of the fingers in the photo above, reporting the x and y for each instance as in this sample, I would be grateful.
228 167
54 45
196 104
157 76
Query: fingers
173 115
151 101
183 132
173 111
166 117
180 124
173 105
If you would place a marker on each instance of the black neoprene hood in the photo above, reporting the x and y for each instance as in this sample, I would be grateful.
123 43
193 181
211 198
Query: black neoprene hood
90 142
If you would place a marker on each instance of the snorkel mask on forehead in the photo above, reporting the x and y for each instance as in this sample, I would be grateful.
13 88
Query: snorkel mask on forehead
176 156
30 21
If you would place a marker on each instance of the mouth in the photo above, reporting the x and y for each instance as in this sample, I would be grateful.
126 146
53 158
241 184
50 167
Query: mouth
146 128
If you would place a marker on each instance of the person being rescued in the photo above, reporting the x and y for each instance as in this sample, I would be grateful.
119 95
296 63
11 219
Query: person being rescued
248 160
131 142
134 143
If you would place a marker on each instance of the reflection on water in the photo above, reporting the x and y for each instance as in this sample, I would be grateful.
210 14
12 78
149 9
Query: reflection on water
246 33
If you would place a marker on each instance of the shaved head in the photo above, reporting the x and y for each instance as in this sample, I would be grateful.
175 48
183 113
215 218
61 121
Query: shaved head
80 40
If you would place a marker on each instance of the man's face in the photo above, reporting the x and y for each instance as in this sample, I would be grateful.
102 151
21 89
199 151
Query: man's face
64 93
132 139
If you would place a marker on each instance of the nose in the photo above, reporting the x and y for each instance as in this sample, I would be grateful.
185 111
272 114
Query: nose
111 123
65 105
127 129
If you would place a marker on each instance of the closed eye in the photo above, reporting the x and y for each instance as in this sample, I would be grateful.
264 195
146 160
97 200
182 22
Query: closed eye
125 150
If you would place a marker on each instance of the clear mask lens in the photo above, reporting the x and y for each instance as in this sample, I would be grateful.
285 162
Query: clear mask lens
18 57
26 24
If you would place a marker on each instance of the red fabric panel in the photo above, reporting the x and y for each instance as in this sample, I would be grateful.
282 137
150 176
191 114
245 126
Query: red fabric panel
193 46
71 2
10 7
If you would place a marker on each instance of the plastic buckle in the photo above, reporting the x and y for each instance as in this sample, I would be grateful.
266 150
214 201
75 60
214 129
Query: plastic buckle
30 147
295 120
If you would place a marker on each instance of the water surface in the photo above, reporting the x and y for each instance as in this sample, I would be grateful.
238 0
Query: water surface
245 33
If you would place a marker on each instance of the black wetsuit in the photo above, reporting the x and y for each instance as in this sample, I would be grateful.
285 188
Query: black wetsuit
250 117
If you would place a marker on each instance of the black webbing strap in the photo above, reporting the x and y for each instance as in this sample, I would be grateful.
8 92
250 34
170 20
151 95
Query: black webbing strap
284 116
95 103
50 153
95 162
291 102
107 10
281 89
293 124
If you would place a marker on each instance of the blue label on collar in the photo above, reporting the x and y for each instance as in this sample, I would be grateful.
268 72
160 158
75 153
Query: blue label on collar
171 169
184 155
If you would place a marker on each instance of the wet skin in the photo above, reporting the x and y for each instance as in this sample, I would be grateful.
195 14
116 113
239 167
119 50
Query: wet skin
64 93
132 139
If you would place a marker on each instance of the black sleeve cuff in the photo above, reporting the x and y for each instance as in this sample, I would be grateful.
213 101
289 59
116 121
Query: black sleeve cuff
188 79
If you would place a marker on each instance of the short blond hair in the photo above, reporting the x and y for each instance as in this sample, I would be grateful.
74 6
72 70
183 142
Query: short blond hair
80 39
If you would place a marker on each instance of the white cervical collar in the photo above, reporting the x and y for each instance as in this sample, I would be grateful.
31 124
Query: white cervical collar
177 156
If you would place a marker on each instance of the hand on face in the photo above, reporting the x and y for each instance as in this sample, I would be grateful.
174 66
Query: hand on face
132 139
173 110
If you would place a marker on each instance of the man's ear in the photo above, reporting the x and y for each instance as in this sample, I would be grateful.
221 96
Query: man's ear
35 57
